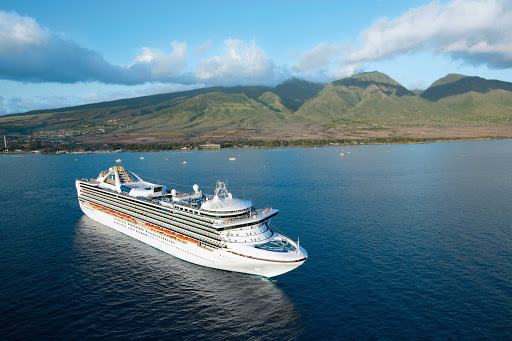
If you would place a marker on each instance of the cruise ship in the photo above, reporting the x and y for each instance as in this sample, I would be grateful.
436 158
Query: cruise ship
217 231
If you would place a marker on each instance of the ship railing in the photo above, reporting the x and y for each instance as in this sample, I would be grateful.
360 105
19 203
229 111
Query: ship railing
254 213
93 181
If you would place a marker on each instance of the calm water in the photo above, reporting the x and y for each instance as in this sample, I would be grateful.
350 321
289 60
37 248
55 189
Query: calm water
411 244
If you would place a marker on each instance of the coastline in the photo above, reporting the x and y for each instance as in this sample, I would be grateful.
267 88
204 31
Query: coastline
60 149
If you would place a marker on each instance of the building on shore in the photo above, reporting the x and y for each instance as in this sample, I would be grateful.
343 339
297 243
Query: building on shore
210 146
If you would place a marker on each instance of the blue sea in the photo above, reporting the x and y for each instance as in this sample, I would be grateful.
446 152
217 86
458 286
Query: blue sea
405 242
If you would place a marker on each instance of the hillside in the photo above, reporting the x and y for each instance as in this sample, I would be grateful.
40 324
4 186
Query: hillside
240 107
371 97
367 105
294 92
453 85
473 98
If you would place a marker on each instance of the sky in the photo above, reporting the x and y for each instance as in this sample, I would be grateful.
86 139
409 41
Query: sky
64 53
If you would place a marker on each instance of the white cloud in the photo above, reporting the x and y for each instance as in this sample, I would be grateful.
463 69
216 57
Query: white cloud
477 31
346 70
322 63
320 56
18 33
203 48
242 63
161 65
31 53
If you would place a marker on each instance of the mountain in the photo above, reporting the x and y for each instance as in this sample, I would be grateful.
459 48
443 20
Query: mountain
473 98
185 112
364 105
367 97
294 92
454 84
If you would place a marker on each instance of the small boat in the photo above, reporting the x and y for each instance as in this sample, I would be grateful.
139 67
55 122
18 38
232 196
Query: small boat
184 162
119 160
166 159
232 158
342 153
142 157
389 151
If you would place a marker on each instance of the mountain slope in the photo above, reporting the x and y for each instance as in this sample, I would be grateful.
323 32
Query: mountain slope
200 109
453 85
294 92
371 96
216 110
369 101
473 98
274 101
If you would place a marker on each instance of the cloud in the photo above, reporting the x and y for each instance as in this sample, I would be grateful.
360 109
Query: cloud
160 66
419 84
19 33
476 31
242 63
31 53
322 63
203 48
320 56
24 104
19 104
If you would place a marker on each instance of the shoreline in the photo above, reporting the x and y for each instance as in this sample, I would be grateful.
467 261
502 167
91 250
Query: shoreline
74 149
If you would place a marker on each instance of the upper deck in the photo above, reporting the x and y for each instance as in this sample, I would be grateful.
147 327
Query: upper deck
221 209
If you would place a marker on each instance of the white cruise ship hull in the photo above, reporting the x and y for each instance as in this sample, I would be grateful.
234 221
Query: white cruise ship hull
219 258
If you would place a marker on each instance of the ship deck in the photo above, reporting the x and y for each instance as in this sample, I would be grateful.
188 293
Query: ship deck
193 206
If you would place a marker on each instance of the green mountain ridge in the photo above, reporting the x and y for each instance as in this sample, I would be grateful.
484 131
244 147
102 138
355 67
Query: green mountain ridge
453 85
292 108
473 98
367 97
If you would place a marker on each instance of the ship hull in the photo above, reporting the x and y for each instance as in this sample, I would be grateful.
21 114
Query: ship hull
219 258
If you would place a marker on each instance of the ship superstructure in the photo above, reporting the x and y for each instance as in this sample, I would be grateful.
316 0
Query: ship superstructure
217 231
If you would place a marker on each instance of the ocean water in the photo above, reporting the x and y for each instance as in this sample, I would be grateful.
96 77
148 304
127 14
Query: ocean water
410 244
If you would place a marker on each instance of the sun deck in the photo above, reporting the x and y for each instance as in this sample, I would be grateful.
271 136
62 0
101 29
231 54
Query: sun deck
225 214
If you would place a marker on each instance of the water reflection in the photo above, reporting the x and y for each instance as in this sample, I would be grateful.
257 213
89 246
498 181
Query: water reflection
145 290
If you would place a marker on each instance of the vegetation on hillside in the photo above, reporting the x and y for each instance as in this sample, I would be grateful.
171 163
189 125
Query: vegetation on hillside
292 110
